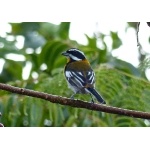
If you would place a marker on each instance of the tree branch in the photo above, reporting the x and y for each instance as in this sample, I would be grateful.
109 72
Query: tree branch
75 103
1 125
137 34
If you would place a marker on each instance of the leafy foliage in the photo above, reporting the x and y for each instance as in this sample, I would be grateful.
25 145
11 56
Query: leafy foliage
118 89
145 64
42 47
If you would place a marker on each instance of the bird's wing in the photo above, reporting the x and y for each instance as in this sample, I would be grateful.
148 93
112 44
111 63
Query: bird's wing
80 79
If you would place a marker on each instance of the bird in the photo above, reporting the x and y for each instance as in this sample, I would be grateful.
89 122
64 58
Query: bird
79 74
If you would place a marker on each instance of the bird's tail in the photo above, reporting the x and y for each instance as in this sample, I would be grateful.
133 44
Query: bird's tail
97 95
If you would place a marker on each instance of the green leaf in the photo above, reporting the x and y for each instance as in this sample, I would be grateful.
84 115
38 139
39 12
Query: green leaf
8 47
30 32
124 66
48 30
116 40
51 54
33 40
13 72
92 42
24 27
132 24
63 30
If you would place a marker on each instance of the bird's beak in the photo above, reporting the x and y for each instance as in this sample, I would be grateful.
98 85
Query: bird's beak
64 53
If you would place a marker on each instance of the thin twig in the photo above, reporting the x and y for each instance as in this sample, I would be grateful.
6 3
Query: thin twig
75 103
148 23
137 35
141 52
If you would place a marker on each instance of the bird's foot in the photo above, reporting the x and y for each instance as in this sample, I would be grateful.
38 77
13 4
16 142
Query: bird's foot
92 101
72 97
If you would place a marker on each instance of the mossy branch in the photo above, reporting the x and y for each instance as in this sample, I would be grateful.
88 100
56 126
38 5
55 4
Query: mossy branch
75 103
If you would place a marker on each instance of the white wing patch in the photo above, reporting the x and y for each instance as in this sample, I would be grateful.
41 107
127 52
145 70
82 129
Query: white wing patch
76 76
93 78
80 73
68 74
89 73
77 80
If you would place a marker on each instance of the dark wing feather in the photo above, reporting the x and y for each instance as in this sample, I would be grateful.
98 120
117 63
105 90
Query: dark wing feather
80 79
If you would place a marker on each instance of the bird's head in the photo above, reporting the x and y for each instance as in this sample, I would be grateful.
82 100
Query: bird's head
74 54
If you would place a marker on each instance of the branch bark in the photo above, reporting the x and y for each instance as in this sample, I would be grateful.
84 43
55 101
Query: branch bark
75 103
1 125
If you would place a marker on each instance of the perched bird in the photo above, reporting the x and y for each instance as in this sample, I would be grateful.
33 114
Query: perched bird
79 74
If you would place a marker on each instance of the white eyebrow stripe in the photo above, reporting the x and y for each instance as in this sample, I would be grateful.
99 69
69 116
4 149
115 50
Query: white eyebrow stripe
74 57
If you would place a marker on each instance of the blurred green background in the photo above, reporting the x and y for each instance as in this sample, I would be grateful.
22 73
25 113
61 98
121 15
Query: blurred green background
38 65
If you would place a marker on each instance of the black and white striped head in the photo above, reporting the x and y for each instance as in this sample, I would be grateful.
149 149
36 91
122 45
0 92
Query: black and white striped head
74 54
